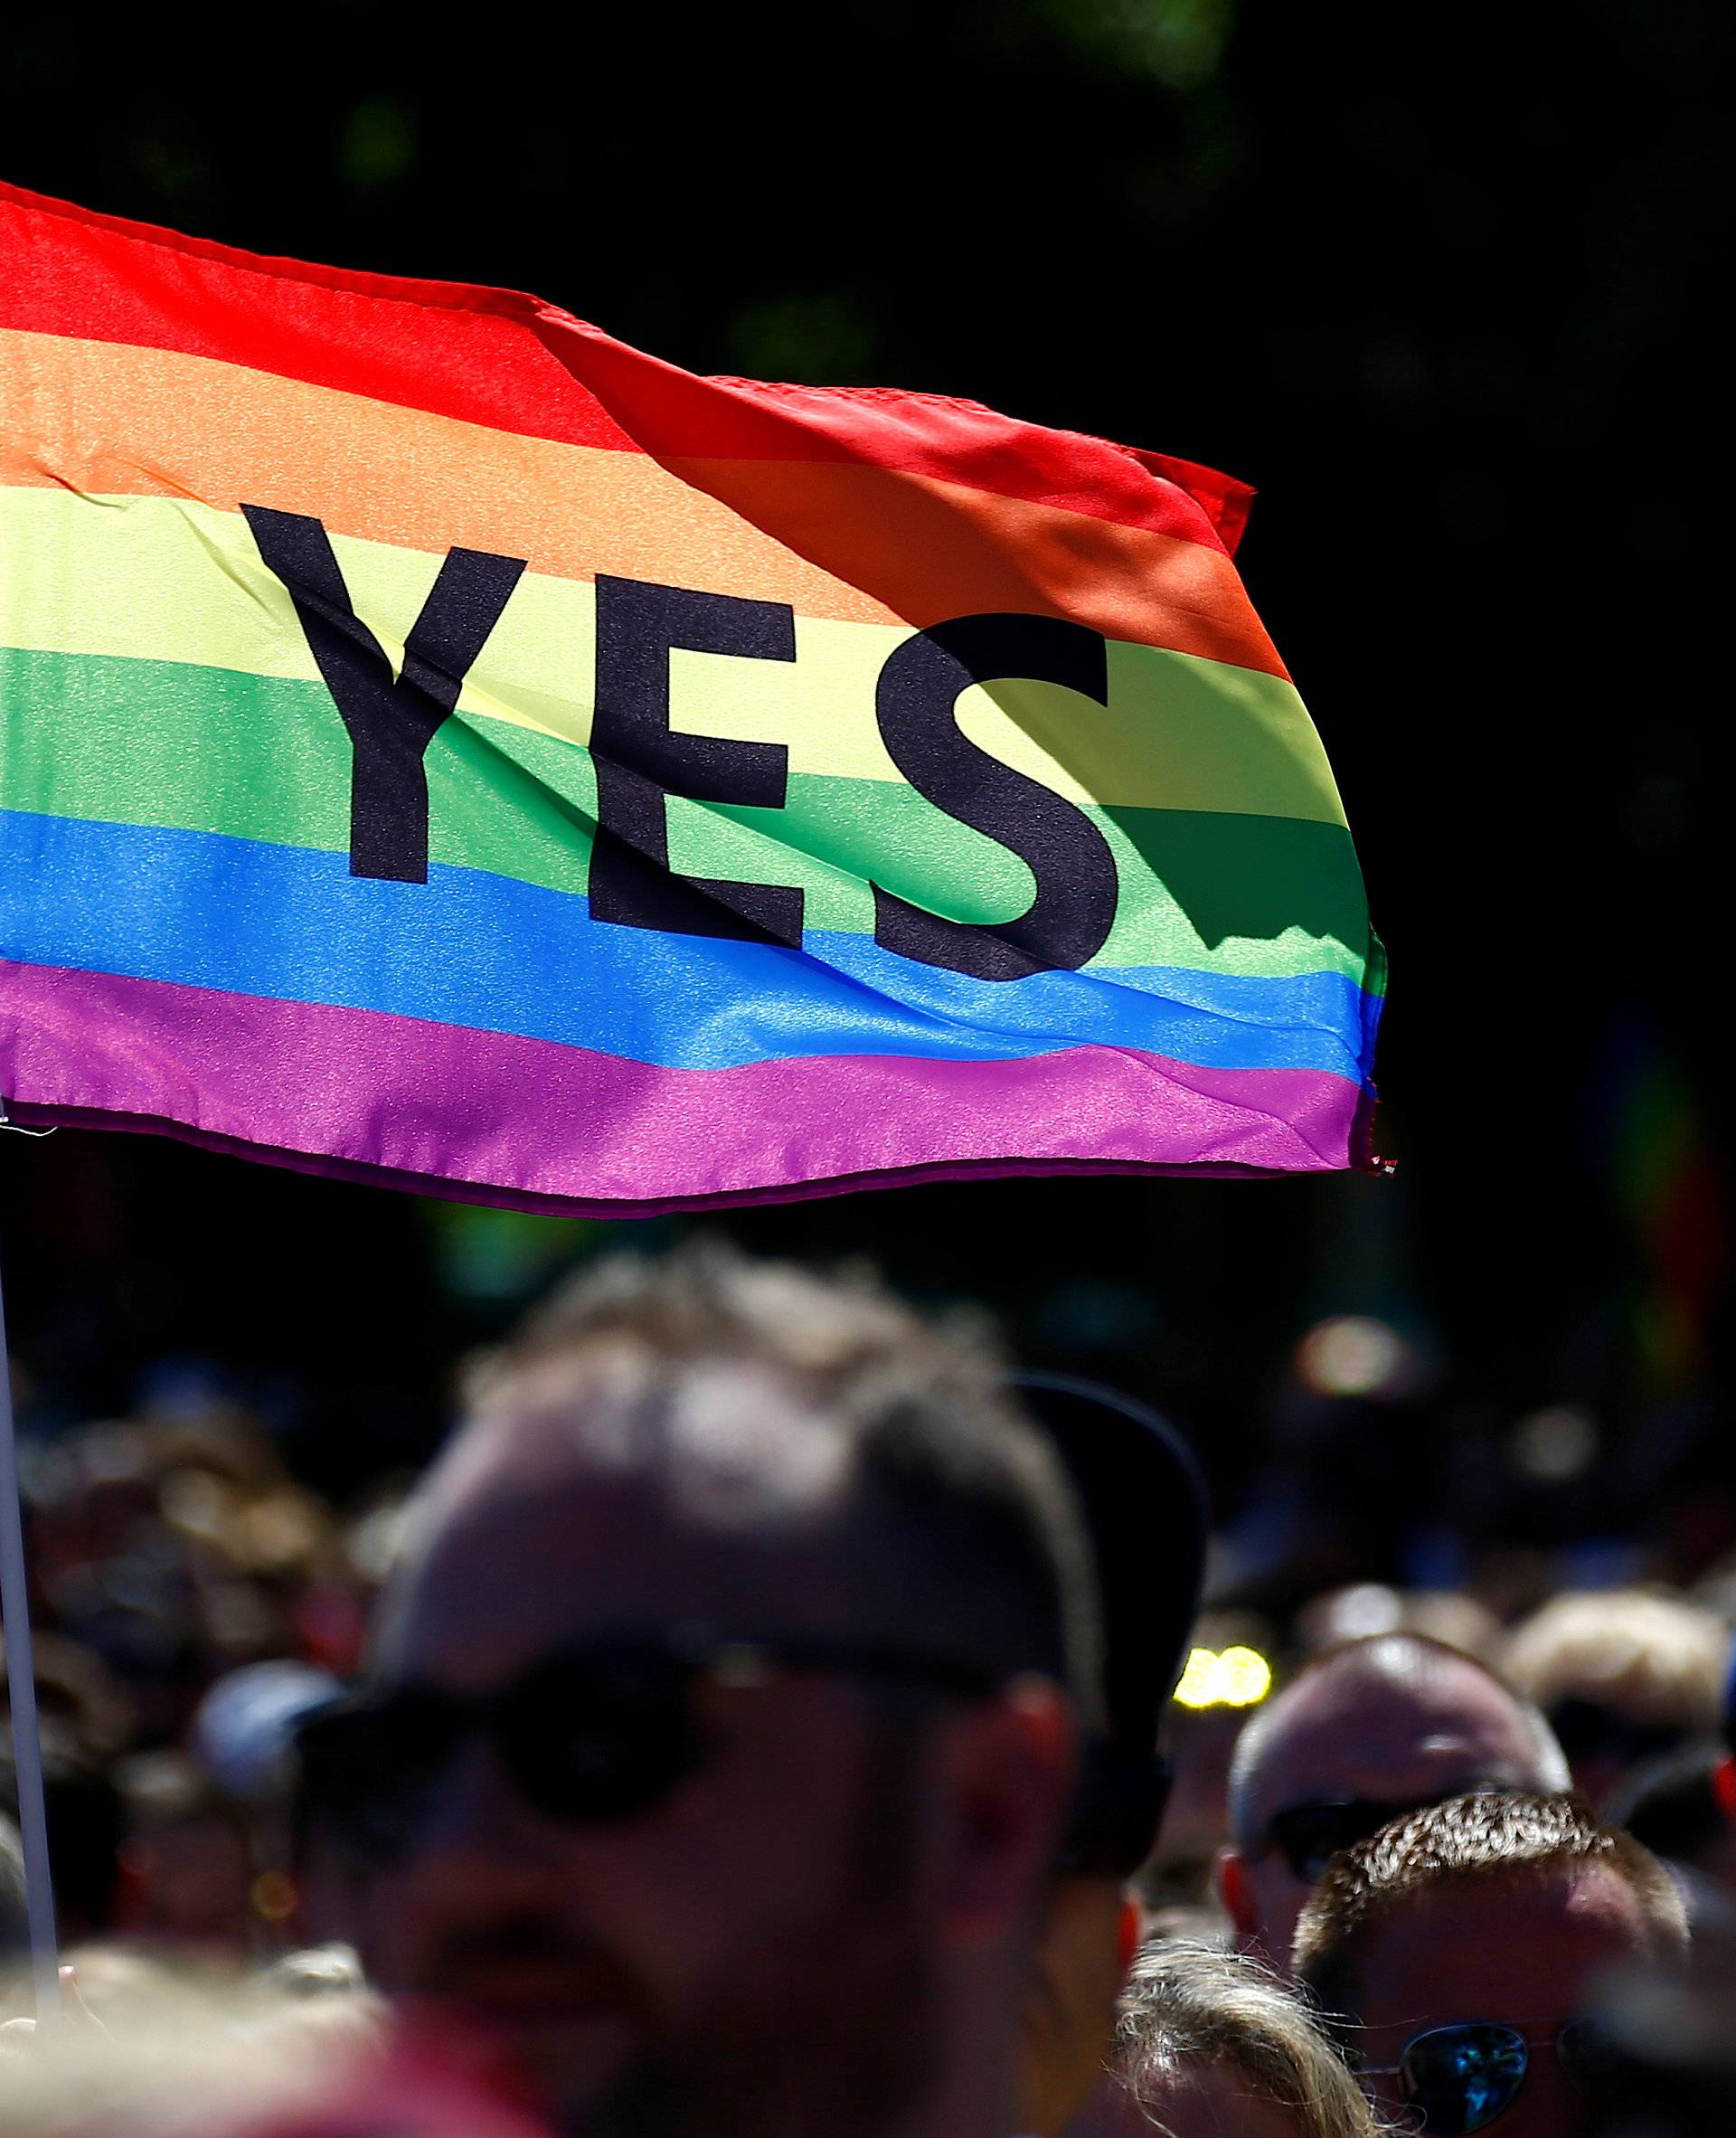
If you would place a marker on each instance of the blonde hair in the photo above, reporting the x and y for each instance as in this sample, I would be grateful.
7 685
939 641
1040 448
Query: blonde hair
1654 1659
170 2061
1186 2005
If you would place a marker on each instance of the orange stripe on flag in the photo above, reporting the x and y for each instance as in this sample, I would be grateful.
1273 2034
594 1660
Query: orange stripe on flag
856 542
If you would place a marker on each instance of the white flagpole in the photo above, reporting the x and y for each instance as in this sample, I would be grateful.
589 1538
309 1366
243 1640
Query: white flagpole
26 1737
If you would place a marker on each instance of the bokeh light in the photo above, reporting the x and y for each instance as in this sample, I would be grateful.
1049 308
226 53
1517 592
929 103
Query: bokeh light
1355 1355
1233 1677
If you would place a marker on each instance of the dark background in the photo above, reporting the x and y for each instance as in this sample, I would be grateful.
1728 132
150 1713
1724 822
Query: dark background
1442 284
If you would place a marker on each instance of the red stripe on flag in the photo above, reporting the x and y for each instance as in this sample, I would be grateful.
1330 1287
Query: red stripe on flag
511 362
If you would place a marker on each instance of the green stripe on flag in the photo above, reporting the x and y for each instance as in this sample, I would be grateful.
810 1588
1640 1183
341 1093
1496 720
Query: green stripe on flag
141 742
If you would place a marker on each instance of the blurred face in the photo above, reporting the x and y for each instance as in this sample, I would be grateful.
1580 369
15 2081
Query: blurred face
1527 1951
1394 1741
1208 2101
745 1955
189 1879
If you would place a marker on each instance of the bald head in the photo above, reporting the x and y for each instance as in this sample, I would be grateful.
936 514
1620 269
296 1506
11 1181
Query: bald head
1397 1719
1397 1715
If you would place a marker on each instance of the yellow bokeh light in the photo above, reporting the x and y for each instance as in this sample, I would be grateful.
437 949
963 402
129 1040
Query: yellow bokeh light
1247 1677
1196 1688
1236 1677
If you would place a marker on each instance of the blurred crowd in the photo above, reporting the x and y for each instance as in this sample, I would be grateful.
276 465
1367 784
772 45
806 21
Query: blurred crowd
383 1809
190 1598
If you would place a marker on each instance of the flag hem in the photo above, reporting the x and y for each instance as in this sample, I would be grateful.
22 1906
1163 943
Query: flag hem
26 1114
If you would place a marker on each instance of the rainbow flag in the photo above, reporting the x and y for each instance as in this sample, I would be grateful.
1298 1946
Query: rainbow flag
440 743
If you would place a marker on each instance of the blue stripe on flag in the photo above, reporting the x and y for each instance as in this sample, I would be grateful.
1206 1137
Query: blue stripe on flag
469 948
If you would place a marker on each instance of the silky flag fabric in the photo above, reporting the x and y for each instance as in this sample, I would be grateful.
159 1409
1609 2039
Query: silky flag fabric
440 743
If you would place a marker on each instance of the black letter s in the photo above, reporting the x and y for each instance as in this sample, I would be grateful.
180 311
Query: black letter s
1069 919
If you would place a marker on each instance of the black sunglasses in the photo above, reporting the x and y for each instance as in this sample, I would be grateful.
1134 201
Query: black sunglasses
588 1736
1308 1836
1458 2079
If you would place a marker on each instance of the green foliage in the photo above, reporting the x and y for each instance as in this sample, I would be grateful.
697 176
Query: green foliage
1178 43
378 144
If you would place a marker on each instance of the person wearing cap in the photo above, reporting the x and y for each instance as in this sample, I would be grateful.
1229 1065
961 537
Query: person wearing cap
721 1728
1144 1505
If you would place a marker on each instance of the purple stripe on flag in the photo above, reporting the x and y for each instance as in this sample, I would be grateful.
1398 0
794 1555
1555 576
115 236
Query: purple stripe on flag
491 1117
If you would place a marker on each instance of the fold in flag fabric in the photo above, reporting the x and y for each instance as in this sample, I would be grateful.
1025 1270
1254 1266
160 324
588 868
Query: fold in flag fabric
441 743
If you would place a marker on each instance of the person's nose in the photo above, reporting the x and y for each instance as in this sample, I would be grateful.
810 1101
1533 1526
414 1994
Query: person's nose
478 1839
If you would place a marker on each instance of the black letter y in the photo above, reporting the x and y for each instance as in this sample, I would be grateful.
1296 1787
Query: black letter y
390 722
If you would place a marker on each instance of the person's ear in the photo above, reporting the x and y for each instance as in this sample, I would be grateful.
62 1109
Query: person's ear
1001 1788
1234 1881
